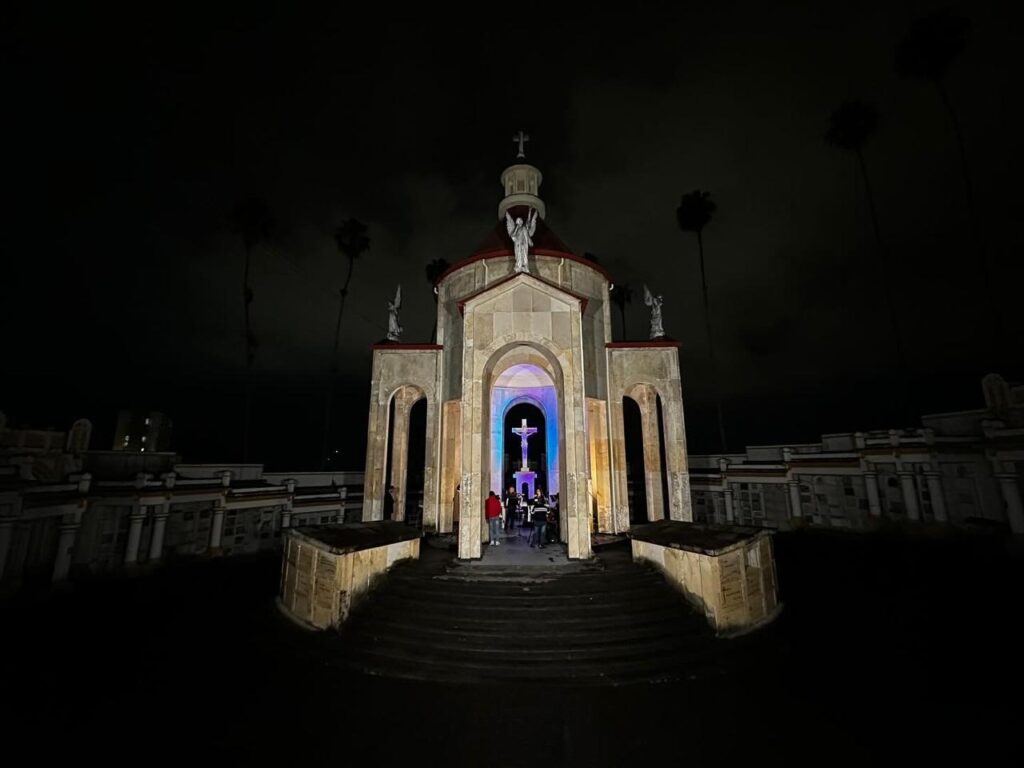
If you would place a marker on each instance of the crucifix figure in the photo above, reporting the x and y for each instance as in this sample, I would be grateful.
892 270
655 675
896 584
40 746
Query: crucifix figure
524 433
520 138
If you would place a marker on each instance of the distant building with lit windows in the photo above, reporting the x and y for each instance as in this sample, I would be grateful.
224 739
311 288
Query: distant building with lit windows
142 431
961 468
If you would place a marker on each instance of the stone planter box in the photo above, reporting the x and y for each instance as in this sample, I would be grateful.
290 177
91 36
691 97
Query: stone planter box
326 569
727 572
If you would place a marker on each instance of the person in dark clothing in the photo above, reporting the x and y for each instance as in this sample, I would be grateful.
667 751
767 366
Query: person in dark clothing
539 517
389 503
511 502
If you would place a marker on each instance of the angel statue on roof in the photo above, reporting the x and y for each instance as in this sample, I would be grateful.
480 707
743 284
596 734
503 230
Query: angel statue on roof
521 232
394 329
654 302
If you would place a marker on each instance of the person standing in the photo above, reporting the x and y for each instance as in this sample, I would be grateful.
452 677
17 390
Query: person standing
389 503
539 517
511 507
492 511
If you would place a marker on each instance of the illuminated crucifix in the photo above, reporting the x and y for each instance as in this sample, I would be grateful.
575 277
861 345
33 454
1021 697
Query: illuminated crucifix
520 138
524 433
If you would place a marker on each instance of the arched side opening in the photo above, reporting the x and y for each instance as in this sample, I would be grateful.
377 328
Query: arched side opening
636 483
645 396
417 455
405 451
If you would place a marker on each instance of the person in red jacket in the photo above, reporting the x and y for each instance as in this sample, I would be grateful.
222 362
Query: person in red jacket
492 511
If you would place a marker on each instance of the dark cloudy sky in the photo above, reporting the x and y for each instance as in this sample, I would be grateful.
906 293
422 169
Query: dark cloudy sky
133 134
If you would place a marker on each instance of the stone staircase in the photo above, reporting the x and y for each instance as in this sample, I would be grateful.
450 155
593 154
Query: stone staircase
607 621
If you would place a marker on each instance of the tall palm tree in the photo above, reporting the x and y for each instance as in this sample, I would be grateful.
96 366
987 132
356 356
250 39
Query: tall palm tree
693 214
252 221
850 126
352 242
926 52
621 296
434 270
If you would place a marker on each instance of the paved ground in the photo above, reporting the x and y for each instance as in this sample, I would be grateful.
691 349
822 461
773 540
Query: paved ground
888 649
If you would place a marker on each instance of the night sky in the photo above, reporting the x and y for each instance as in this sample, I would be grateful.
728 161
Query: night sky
132 137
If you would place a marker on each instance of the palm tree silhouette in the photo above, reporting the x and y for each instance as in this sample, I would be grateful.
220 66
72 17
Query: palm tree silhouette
434 270
352 241
850 126
252 221
693 214
622 295
926 52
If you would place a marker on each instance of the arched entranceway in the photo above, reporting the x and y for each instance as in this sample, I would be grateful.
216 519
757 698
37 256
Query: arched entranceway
526 415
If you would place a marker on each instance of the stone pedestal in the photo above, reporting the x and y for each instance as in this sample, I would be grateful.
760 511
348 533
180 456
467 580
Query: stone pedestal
527 478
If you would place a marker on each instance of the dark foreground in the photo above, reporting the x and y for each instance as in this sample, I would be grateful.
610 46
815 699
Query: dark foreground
888 648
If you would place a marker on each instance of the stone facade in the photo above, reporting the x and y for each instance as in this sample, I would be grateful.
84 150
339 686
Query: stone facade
496 331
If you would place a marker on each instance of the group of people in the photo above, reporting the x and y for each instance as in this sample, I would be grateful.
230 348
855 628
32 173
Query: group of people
516 508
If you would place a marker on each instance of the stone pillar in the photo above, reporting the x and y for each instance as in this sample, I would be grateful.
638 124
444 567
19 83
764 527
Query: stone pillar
1011 495
66 546
620 486
937 495
6 534
646 398
795 510
404 399
217 527
342 502
156 544
730 512
871 487
136 519
909 494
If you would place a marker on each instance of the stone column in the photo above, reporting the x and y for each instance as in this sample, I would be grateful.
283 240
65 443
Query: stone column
620 487
794 499
66 546
730 513
156 544
871 487
646 398
1011 495
217 527
909 494
342 502
6 534
404 399
937 495
136 519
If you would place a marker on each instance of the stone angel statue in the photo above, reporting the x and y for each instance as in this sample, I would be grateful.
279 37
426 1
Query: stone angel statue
654 302
521 233
394 329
